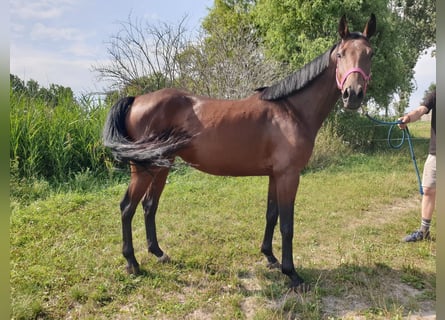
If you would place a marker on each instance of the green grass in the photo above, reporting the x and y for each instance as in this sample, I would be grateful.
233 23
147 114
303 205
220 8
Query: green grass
349 221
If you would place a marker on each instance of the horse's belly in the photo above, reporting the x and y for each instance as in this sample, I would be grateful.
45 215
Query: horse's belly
228 159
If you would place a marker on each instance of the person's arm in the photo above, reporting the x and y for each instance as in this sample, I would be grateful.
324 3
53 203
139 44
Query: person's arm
413 116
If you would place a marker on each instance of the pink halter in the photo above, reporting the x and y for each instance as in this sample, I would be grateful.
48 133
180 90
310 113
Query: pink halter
359 70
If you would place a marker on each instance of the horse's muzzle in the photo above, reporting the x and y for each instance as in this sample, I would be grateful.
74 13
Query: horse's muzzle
353 97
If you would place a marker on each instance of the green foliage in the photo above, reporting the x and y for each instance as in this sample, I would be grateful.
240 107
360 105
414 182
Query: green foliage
228 60
227 16
344 133
55 142
307 28
419 21
360 133
26 190
330 148
52 96
295 32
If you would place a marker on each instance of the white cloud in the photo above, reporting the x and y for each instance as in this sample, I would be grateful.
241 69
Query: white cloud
46 68
39 9
47 45
81 49
41 31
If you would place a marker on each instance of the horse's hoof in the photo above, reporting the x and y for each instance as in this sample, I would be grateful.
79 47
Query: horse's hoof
301 288
132 269
164 258
274 265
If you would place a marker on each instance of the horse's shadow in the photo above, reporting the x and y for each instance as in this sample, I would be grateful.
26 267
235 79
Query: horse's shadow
352 288
349 288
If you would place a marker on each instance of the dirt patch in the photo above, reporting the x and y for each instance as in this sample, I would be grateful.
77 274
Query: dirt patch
198 314
379 214
249 306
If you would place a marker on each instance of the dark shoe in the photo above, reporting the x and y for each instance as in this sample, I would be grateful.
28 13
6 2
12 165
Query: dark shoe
417 236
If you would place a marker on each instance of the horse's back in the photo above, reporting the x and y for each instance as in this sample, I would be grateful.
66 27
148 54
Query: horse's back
174 108
157 111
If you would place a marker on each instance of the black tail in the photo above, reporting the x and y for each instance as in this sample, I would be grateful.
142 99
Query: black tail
156 149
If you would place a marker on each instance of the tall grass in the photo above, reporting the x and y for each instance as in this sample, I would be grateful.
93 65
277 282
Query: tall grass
55 143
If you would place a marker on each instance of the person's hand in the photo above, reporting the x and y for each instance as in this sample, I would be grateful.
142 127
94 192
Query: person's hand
405 119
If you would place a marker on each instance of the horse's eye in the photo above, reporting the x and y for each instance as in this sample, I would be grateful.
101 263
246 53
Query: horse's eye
339 55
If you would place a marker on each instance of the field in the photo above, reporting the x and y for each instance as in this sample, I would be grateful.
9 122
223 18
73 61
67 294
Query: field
349 222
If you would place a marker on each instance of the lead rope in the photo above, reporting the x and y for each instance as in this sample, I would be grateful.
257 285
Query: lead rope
405 133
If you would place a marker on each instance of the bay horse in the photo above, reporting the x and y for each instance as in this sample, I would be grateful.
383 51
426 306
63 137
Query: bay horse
270 133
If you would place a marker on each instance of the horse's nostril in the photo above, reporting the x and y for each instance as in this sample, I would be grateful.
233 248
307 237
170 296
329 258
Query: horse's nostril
346 94
360 93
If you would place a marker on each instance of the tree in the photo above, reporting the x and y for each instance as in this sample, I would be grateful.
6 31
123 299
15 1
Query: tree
17 85
295 32
419 21
143 56
227 62
52 96
32 88
249 43
417 25
220 63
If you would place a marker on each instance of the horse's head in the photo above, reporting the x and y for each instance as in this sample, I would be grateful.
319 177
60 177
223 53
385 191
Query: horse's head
353 55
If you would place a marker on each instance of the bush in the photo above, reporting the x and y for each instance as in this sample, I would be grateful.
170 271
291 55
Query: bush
329 148
359 132
346 132
26 190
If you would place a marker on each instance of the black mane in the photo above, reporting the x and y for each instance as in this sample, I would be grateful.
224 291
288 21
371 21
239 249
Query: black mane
298 79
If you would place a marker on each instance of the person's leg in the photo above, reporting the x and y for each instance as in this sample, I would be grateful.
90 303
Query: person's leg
428 201
428 205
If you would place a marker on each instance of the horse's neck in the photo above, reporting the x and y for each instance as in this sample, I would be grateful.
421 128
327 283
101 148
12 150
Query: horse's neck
315 102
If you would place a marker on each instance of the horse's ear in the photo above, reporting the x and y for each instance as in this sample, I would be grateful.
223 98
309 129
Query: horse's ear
343 27
370 27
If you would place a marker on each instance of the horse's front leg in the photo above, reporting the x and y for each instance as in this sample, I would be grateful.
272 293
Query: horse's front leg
287 185
150 205
271 222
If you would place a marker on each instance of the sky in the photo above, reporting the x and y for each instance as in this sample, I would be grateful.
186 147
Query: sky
58 41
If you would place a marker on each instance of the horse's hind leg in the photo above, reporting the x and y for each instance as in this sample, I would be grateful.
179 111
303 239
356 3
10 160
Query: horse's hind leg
150 205
271 222
140 180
